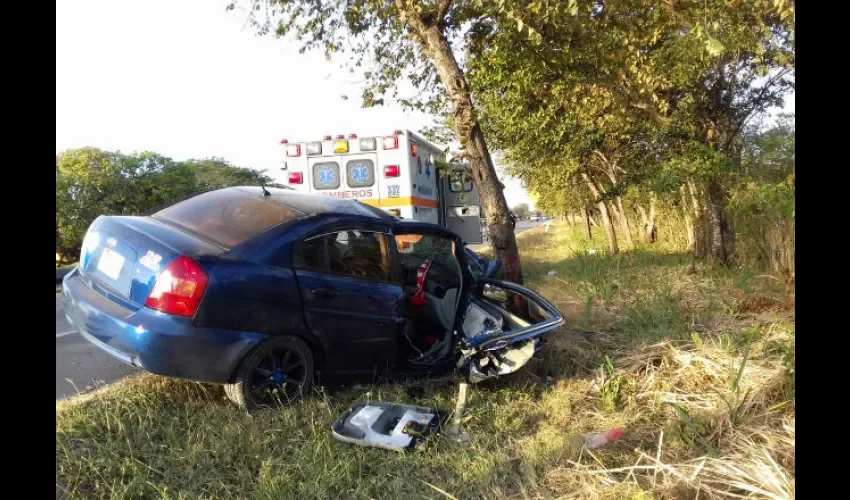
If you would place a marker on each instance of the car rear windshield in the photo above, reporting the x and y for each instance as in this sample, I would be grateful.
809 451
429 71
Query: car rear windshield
227 217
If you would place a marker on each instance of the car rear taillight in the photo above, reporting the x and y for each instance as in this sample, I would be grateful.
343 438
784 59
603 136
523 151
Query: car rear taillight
295 178
179 288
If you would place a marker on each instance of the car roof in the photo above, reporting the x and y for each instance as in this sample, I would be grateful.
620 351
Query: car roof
311 204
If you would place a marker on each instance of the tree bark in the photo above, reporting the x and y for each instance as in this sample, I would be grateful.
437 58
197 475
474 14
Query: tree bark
610 168
606 216
652 227
650 231
490 190
700 231
587 224
690 232
624 222
719 224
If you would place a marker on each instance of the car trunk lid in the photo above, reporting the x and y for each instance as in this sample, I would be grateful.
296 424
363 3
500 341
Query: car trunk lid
123 256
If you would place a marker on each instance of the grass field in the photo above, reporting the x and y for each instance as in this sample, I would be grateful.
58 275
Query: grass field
695 363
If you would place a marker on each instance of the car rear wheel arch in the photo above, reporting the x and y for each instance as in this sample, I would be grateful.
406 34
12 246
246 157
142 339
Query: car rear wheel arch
314 345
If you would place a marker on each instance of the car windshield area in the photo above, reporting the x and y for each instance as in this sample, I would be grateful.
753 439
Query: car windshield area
227 217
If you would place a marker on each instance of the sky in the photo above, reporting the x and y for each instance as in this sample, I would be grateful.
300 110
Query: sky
186 79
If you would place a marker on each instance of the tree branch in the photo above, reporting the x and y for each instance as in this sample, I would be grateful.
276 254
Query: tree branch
757 103
442 9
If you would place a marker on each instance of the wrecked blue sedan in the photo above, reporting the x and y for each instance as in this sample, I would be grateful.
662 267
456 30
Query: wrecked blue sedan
265 289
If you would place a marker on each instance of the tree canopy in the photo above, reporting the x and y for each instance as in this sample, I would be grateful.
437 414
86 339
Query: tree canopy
607 98
91 182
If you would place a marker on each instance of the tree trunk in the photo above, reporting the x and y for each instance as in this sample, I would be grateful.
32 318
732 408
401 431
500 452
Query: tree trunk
606 216
651 227
701 232
490 189
609 168
587 224
690 232
719 224
610 233
624 222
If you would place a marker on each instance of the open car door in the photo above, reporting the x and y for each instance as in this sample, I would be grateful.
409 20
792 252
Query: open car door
502 325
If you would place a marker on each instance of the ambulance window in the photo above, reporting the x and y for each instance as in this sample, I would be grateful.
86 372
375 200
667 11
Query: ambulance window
326 175
460 183
360 173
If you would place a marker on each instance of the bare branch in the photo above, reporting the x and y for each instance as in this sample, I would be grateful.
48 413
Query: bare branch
442 9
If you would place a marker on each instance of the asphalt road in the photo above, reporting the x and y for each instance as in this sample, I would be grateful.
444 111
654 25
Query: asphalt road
81 367
522 225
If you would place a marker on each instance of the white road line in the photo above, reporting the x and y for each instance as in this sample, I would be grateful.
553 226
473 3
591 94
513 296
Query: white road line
65 333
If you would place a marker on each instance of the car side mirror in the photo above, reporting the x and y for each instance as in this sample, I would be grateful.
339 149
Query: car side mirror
494 293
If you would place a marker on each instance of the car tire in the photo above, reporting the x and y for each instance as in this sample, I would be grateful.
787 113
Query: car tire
274 375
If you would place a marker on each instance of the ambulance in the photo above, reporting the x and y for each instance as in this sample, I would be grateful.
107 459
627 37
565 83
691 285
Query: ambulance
396 173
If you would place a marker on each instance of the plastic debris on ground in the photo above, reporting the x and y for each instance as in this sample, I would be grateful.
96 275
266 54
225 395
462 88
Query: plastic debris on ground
552 273
391 426
594 441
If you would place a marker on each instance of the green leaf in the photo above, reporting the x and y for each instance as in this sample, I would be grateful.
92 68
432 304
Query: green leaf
572 7
714 47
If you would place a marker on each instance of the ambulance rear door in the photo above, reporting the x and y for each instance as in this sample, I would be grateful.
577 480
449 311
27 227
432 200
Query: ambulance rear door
348 177
462 206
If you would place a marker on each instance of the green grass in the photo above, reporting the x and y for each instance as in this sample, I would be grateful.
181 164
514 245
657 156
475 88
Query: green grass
644 336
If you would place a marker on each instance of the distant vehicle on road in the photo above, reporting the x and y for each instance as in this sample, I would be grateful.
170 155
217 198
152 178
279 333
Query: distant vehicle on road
262 289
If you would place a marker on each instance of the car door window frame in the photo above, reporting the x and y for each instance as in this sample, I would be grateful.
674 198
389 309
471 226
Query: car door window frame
392 274
466 278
